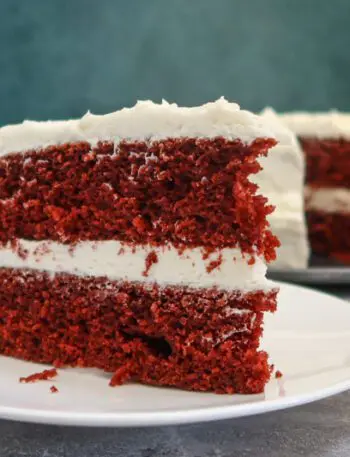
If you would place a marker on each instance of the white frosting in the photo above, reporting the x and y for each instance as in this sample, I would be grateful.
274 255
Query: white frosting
105 259
146 120
328 200
282 182
330 125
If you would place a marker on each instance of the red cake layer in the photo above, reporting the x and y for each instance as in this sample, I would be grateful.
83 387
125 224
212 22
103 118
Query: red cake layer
327 162
175 336
329 234
190 192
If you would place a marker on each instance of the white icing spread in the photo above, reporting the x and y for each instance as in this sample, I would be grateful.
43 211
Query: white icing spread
328 200
118 262
282 182
146 120
330 125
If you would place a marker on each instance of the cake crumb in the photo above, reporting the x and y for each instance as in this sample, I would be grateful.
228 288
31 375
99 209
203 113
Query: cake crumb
278 374
18 249
54 390
41 250
42 376
214 264
151 259
122 375
251 261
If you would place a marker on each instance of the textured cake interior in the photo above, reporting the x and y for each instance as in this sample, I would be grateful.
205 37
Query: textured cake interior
189 192
328 167
163 336
185 191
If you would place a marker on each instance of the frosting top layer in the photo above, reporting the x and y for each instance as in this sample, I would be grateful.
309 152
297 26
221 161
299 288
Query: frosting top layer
145 121
330 125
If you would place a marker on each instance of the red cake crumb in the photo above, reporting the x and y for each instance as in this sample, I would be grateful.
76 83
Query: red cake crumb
42 376
251 261
278 374
53 389
22 252
17 247
327 162
42 250
214 264
123 374
97 194
171 336
329 234
151 259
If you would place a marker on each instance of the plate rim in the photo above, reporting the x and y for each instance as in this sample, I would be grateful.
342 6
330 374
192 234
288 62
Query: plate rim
162 418
180 417
314 275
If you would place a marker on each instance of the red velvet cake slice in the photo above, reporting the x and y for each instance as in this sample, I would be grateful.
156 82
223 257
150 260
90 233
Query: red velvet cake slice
325 140
134 242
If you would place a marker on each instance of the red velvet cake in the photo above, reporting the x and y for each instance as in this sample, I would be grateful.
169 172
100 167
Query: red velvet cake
325 140
135 243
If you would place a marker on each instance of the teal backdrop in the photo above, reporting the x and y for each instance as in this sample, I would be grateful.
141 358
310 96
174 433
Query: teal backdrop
59 58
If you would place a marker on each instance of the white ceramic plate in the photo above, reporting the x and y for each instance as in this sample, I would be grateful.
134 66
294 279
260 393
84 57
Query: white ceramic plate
308 340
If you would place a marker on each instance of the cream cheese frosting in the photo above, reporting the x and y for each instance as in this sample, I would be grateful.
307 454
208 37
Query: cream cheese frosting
146 120
282 182
331 125
328 199
119 261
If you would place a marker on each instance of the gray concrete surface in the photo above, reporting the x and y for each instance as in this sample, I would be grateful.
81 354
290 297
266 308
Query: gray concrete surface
320 429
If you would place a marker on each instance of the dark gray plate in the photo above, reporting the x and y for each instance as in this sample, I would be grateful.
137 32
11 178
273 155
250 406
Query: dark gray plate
320 271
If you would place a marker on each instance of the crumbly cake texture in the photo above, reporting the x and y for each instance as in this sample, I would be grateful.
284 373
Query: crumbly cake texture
329 234
327 162
328 171
190 192
160 336
156 177
325 140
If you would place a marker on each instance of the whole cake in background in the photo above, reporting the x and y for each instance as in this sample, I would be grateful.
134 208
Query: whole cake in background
135 242
325 140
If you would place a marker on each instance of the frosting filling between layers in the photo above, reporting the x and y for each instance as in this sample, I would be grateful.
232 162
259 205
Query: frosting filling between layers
328 200
225 269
